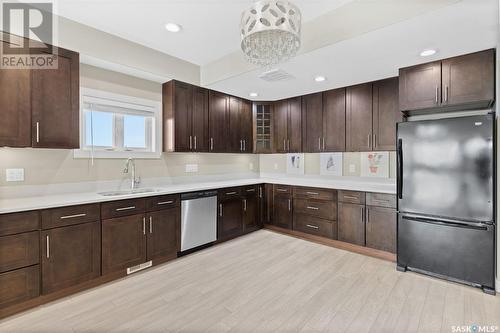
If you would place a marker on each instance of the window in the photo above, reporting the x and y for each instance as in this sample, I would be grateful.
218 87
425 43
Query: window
118 126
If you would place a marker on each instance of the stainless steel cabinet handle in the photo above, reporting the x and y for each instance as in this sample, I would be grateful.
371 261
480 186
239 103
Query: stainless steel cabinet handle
374 140
289 205
369 140
125 208
362 214
284 145
312 193
245 205
165 202
251 190
150 224
281 190
211 143
47 246
313 208
195 142
367 215
446 94
72 216
323 143
437 94
241 145
288 148
190 142
37 131
350 197
319 143
312 226
231 193
244 145
260 191
220 210
143 225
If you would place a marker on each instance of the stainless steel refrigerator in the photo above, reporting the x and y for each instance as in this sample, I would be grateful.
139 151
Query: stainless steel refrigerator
446 199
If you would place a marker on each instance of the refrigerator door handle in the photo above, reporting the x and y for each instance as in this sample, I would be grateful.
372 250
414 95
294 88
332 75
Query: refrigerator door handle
450 223
400 169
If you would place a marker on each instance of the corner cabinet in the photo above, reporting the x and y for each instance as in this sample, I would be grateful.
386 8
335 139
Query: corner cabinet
40 107
263 127
459 83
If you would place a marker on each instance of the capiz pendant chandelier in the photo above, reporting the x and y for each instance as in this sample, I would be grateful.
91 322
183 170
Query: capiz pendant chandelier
270 32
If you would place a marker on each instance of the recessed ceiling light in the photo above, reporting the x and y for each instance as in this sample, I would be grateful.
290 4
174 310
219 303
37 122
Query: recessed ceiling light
173 27
320 78
254 94
427 53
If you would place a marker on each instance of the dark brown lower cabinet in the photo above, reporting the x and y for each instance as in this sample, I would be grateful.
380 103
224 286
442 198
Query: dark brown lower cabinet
163 234
315 226
282 210
381 228
123 242
351 223
19 285
21 250
230 221
251 208
70 255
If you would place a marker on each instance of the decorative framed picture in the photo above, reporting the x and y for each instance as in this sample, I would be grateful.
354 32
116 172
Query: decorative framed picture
375 164
295 164
330 164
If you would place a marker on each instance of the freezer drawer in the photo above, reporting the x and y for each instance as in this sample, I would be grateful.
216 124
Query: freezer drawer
464 253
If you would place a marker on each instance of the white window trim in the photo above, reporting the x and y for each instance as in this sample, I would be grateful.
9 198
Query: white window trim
121 100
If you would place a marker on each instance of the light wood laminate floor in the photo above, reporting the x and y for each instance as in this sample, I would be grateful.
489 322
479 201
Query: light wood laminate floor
267 282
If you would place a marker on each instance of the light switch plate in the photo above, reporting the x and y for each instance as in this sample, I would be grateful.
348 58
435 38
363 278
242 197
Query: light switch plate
14 175
191 167
352 168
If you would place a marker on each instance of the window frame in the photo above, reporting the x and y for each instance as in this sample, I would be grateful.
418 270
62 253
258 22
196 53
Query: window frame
151 109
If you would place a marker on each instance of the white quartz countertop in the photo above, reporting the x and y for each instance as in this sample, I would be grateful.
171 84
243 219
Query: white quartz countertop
77 198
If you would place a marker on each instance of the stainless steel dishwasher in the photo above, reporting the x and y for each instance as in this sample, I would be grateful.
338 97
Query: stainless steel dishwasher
199 219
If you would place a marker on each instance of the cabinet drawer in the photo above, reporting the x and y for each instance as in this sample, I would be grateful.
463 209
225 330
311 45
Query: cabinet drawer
381 200
315 226
314 193
231 192
17 251
19 222
250 190
352 197
19 285
322 209
282 189
122 208
162 202
58 217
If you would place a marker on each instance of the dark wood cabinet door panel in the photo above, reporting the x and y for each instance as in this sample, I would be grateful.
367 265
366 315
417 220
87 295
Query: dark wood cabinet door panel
318 208
70 255
381 228
269 202
315 226
123 243
235 143
386 114
230 221
183 107
19 286
282 211
250 209
59 217
359 117
123 208
294 131
312 110
469 78
246 129
16 223
163 233
354 197
200 119
280 123
420 86
314 193
351 223
15 108
218 122
55 105
17 251
163 202
334 120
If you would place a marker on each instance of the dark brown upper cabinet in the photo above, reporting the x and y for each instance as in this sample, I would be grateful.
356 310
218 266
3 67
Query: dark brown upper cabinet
287 122
334 111
185 117
240 126
312 111
359 117
40 107
263 127
458 83
386 114
218 119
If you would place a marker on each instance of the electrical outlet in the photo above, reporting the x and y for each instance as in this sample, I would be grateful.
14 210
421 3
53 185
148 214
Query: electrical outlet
14 175
352 168
191 167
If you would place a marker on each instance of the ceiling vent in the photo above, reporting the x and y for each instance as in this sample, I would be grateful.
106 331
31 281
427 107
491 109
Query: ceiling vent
276 75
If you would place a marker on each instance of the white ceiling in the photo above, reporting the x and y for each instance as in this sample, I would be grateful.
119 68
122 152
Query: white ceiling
210 27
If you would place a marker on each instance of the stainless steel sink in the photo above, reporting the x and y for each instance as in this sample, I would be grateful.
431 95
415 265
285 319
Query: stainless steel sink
127 192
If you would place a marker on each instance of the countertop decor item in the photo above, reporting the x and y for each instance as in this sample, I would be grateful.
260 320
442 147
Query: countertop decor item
270 32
